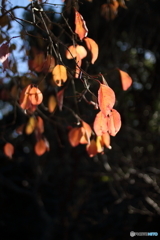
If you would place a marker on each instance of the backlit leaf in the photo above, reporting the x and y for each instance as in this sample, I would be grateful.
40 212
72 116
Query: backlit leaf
114 122
80 26
91 148
106 99
93 48
24 98
40 124
74 136
8 150
52 103
99 144
71 52
88 130
126 80
59 75
30 125
100 124
35 96
106 140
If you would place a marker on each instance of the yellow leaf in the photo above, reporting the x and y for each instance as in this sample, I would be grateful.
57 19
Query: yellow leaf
52 103
59 75
30 125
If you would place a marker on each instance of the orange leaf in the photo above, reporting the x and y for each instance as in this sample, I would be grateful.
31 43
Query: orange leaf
60 96
81 51
80 26
126 80
93 48
100 124
106 99
8 150
114 122
52 103
24 98
78 65
74 136
40 148
88 131
35 96
71 52
59 75
91 148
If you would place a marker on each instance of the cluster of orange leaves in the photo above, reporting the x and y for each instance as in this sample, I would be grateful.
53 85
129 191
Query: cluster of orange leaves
107 122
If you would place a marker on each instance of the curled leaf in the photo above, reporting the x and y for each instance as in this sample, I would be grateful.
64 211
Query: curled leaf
93 48
106 99
59 74
99 144
35 96
80 26
106 140
8 150
24 98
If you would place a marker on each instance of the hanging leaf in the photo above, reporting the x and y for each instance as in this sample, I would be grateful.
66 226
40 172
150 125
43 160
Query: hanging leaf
91 148
60 96
80 26
93 48
52 103
40 124
30 125
78 66
86 134
81 51
59 75
126 80
8 150
99 144
40 148
74 136
71 52
100 124
114 122
106 140
35 96
4 54
106 99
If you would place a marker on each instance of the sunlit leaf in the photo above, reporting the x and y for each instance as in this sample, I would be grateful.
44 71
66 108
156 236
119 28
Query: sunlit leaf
74 136
126 80
100 124
8 150
80 26
30 125
60 96
4 54
88 131
52 103
35 96
59 75
24 98
91 148
106 99
71 52
81 51
114 122
106 140
93 48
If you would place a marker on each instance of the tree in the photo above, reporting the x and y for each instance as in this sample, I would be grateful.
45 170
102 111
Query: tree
63 109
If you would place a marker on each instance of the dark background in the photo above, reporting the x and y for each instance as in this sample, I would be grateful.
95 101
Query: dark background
66 195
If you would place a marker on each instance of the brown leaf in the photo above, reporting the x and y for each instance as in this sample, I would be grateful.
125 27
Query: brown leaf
8 150
59 74
60 96
80 26
93 48
126 80
4 54
106 99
